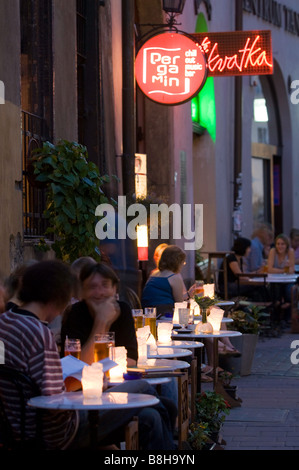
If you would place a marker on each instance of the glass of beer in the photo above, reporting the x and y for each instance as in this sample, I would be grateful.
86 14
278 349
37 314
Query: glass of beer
103 346
150 320
138 318
72 347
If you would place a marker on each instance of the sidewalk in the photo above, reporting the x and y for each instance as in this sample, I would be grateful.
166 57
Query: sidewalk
269 415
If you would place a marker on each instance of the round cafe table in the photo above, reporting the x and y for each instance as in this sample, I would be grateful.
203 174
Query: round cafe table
168 353
108 401
215 337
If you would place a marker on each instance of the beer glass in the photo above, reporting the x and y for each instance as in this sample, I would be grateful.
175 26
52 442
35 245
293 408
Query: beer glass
138 318
72 347
150 320
103 346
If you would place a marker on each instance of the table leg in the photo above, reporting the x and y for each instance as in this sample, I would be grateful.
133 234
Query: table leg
198 355
215 361
93 416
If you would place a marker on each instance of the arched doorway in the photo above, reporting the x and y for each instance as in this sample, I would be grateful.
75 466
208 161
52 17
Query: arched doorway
266 166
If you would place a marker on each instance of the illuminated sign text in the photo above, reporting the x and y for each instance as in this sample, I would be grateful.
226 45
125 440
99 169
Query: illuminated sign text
237 52
170 68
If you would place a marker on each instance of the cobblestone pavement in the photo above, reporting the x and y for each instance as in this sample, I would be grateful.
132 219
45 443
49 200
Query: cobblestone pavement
269 416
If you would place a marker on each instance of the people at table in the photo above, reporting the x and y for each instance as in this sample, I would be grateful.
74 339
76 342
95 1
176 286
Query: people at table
235 265
294 241
98 312
261 239
282 260
166 286
31 348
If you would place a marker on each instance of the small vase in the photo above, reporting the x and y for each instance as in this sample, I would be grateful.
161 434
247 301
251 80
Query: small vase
204 326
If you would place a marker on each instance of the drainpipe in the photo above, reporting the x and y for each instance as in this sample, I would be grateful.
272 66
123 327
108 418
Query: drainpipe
238 132
128 97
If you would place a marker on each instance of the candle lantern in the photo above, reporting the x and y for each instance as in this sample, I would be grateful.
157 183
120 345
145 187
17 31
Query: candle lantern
209 290
164 332
92 380
215 318
178 305
142 335
120 357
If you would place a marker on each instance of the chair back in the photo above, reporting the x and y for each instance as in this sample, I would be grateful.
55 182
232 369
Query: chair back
214 270
183 409
193 388
132 434
25 389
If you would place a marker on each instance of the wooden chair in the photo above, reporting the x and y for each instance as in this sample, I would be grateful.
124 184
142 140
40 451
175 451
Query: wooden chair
25 389
212 274
265 301
132 434
193 388
183 410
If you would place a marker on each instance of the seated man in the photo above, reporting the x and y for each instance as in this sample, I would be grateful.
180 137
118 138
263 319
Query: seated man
99 312
30 347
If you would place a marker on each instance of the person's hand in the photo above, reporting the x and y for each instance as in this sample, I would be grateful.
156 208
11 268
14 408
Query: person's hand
106 311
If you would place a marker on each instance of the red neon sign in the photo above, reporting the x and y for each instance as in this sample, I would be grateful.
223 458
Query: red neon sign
237 52
170 68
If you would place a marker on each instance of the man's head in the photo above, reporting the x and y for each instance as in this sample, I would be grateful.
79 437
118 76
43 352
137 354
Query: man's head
47 282
265 233
98 282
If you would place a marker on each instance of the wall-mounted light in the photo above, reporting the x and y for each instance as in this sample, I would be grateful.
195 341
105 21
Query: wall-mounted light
142 242
173 8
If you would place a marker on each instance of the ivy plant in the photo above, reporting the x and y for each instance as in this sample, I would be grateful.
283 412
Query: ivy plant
74 190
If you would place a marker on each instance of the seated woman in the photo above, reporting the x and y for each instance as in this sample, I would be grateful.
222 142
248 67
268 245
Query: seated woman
282 260
235 266
166 286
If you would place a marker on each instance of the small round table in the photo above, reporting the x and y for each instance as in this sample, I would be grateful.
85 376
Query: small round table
108 401
168 353
215 337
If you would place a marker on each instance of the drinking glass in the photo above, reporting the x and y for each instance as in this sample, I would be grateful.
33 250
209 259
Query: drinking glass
72 347
184 316
150 320
103 346
138 317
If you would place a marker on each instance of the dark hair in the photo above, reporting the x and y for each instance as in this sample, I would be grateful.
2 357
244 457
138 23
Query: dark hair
172 257
14 280
240 246
99 268
47 281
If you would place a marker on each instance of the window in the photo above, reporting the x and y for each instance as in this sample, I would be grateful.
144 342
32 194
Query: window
36 102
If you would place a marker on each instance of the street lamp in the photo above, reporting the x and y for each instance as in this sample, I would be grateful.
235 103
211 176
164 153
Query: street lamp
173 8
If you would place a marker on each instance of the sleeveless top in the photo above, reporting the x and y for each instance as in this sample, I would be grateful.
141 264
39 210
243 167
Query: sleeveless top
157 291
281 265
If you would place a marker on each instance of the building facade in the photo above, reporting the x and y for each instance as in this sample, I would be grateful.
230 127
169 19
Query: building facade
68 73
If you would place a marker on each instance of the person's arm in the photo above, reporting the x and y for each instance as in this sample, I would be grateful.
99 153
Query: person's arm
178 287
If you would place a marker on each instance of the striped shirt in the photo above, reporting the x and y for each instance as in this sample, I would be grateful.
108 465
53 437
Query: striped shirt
30 347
